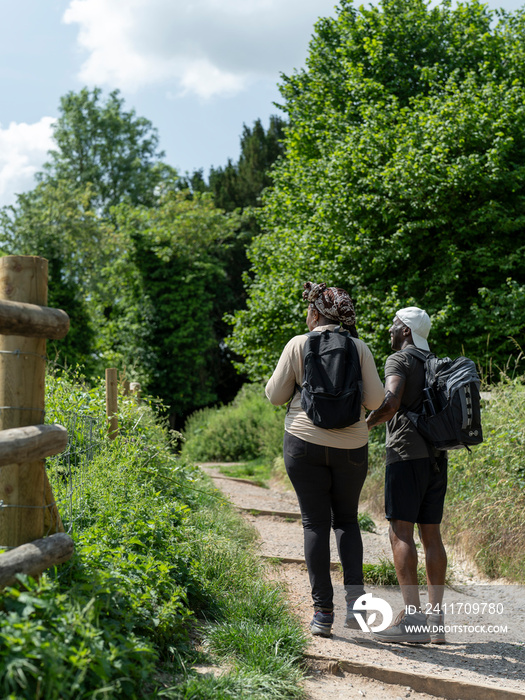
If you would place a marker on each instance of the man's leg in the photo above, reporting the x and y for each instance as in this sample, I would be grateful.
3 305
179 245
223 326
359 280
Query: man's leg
436 563
411 624
405 486
403 493
429 517
405 560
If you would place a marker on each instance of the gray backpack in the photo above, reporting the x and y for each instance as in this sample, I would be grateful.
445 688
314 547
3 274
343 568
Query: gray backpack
451 416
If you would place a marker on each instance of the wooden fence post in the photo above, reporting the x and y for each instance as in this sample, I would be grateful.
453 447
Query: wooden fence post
22 386
112 402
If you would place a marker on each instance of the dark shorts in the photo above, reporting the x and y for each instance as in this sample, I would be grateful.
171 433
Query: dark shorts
415 490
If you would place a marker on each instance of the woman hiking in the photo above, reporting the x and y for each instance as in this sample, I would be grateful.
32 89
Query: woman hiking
327 466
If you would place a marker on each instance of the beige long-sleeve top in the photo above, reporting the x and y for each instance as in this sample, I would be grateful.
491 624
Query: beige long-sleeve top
288 374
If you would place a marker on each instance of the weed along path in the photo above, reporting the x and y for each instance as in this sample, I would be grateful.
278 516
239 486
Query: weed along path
476 663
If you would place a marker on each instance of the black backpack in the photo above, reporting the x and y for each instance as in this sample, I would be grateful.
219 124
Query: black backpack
451 415
332 388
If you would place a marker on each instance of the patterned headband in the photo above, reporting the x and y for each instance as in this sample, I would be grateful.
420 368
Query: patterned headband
333 302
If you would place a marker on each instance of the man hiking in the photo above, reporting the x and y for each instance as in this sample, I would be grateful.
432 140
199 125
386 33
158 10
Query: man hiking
415 482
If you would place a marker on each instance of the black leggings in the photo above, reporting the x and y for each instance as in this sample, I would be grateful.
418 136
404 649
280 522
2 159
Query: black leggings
328 482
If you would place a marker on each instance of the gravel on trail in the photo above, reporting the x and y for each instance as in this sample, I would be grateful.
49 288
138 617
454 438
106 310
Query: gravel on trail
472 656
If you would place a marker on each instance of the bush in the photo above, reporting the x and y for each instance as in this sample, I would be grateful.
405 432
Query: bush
54 646
102 621
248 428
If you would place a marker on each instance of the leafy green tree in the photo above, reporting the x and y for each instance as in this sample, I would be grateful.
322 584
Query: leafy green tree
241 184
55 221
100 143
103 155
175 264
238 186
145 270
403 180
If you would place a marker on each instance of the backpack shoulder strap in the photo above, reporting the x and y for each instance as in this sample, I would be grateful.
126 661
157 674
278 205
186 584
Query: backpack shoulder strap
413 417
429 360
416 353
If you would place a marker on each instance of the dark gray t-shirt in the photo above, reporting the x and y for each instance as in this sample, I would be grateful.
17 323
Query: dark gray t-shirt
403 442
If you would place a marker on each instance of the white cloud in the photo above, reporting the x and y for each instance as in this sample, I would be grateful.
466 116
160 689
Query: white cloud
207 47
23 151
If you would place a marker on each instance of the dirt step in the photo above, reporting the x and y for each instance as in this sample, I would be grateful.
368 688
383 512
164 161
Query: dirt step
286 515
434 686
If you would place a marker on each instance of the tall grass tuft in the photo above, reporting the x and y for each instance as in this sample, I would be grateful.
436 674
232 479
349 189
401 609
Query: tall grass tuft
486 495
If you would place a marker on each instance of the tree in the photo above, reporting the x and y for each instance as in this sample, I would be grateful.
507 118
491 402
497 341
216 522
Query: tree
145 268
55 221
403 180
239 187
175 265
104 155
100 143
241 184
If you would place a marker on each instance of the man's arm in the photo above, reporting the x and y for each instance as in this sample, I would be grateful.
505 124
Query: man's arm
394 388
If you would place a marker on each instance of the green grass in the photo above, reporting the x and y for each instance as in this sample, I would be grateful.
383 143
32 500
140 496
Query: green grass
239 683
258 470
486 495
384 574
161 561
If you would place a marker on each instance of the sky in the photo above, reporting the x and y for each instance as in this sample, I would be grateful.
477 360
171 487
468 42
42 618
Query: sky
197 69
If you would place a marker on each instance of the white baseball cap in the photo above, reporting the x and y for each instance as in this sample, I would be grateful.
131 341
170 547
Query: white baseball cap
419 323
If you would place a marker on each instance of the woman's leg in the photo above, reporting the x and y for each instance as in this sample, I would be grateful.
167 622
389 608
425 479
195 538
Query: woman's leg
349 469
311 480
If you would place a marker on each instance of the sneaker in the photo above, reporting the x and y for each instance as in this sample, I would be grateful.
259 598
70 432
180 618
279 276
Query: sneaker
406 628
351 620
436 626
321 625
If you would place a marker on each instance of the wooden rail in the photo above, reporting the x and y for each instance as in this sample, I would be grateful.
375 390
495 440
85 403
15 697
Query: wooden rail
27 505
30 320
35 557
31 442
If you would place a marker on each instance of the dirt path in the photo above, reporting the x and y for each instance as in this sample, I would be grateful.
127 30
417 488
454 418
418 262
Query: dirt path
473 665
